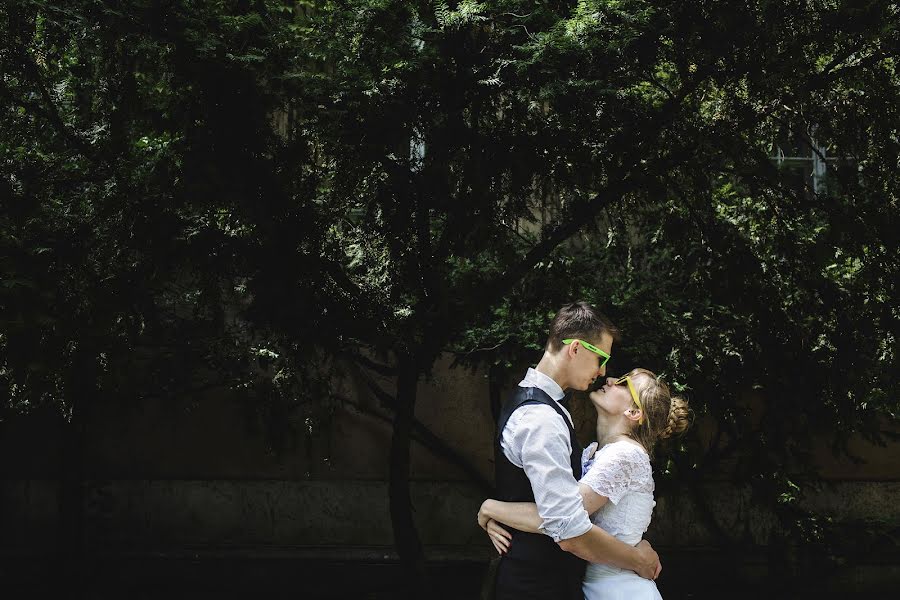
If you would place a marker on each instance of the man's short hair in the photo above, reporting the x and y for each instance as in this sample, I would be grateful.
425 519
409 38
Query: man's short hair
579 320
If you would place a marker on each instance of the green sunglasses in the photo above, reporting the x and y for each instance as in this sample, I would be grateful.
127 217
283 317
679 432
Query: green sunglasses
590 347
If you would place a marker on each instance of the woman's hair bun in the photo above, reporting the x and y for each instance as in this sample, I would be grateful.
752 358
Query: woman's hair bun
679 418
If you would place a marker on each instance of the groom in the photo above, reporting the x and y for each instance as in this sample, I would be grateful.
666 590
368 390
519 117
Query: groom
538 460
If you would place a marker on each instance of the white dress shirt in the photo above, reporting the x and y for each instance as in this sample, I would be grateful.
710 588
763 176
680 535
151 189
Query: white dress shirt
536 440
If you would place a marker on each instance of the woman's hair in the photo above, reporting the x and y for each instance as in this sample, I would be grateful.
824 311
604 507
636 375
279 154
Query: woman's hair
664 415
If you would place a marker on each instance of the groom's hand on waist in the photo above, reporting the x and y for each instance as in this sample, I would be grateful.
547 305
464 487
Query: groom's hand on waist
650 566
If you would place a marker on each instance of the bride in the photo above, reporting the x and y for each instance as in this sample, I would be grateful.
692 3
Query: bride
633 413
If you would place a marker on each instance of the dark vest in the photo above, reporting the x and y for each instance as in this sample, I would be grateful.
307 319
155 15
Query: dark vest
535 553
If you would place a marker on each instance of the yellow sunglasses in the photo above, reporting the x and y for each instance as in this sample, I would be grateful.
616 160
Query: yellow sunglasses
634 395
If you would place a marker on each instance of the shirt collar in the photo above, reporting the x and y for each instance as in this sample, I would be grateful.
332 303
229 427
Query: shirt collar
534 378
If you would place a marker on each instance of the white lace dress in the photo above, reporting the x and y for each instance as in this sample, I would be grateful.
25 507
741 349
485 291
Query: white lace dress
620 471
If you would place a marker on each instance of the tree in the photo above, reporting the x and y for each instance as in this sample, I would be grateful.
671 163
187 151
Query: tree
364 184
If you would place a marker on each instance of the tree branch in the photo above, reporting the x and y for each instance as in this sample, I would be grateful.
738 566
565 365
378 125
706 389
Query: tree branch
384 370
51 111
493 291
430 440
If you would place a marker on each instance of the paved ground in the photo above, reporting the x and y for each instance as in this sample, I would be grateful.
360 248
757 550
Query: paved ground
165 578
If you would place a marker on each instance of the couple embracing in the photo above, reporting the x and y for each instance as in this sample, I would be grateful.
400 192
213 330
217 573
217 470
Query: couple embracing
568 522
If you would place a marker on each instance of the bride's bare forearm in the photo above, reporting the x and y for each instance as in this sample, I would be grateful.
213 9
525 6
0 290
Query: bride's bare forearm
519 515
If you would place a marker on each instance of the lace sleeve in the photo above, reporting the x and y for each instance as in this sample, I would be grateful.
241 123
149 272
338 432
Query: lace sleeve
617 469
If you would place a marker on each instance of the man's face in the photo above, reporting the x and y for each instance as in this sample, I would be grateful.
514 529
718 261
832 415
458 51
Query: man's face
585 365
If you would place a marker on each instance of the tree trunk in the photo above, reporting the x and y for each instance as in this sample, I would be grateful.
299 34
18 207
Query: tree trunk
406 536
494 391
81 386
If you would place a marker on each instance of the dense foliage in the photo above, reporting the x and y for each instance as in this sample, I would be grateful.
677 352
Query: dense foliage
229 191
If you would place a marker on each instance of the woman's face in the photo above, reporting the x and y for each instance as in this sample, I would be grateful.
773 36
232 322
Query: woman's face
612 399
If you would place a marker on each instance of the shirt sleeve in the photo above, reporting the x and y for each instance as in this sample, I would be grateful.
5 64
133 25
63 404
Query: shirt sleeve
617 470
543 438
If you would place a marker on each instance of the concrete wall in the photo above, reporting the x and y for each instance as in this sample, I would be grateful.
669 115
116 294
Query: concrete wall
198 476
